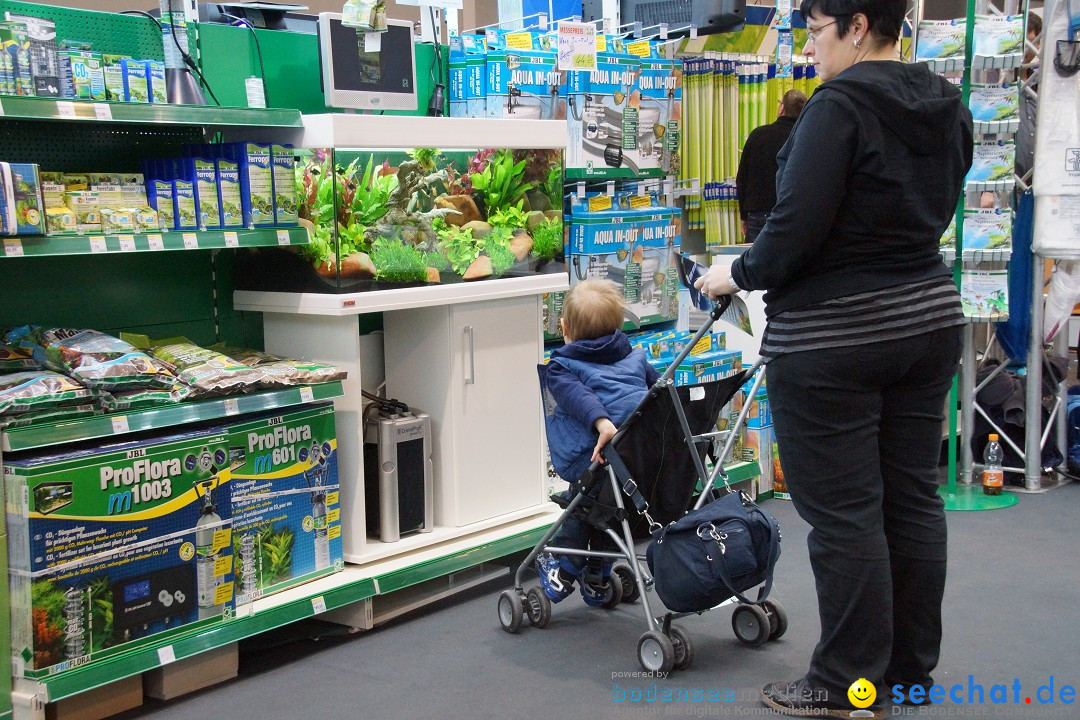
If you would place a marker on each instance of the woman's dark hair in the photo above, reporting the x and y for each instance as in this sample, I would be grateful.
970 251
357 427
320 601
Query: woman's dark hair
885 16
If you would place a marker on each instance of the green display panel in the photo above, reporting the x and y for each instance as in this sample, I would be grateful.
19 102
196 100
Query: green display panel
228 57
133 35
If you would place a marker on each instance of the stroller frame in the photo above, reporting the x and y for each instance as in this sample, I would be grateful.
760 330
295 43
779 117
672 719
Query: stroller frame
664 645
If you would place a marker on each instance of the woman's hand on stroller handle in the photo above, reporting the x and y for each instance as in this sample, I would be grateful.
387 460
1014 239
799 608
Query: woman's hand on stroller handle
607 430
716 282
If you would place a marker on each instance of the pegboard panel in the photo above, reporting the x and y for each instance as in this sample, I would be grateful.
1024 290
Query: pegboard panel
91 146
109 32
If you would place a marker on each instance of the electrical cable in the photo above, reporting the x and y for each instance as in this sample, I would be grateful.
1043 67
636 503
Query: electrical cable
258 49
438 90
188 60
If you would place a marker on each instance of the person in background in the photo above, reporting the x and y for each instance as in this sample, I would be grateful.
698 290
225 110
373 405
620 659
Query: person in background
862 342
1025 135
756 178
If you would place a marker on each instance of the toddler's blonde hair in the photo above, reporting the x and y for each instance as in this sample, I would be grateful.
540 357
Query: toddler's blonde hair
592 308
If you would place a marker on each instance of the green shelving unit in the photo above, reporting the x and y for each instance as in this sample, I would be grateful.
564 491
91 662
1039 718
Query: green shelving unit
98 426
41 245
35 108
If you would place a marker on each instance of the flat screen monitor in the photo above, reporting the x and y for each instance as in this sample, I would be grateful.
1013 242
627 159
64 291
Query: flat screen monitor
356 79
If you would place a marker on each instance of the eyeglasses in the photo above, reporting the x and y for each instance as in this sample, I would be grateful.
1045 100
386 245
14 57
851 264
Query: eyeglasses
812 35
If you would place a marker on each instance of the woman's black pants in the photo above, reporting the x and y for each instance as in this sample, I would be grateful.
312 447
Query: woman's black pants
859 433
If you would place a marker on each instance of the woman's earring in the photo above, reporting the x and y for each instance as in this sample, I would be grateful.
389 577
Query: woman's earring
858 43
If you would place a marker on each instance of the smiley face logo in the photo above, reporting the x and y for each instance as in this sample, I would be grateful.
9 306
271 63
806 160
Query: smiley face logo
862 693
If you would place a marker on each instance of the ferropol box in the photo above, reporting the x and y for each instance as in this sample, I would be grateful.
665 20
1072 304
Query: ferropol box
114 546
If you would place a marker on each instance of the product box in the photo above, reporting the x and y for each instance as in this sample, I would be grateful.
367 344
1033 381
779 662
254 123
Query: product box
524 81
146 219
161 199
155 77
52 189
81 75
656 121
285 198
759 415
601 136
757 448
133 190
113 69
636 249
456 77
15 42
229 198
22 207
118 220
116 546
285 499
136 86
109 189
185 205
87 208
7 70
779 485
707 367
44 64
256 182
60 220
203 173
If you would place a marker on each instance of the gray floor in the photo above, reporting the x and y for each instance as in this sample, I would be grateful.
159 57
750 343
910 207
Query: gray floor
1012 613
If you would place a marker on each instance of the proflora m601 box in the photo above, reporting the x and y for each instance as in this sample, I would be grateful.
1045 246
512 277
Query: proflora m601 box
116 546
286 516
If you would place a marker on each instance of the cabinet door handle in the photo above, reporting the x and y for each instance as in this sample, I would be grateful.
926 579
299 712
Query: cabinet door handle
470 379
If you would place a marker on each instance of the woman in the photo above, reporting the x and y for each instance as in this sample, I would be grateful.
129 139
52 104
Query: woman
862 342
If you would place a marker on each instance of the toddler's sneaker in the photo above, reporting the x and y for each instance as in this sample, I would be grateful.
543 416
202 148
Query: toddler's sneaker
556 582
594 584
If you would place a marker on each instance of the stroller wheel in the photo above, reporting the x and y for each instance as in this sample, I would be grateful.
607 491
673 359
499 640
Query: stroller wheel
625 574
613 593
684 648
539 607
751 624
655 652
510 610
777 619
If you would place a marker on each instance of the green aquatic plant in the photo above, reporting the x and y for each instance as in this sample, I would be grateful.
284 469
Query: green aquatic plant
547 239
509 217
460 248
502 181
427 158
496 245
397 262
369 203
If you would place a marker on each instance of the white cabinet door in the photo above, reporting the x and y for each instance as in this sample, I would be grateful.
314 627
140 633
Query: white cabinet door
497 407
472 368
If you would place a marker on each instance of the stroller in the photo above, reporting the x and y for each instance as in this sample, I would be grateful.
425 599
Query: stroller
657 461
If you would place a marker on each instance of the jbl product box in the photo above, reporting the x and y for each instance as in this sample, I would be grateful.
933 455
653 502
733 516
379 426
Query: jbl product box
115 546
602 134
636 249
523 79
758 448
285 500
708 367
286 202
256 182
657 119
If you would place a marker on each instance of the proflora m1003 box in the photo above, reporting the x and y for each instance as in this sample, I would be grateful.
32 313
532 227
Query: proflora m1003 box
116 546
286 514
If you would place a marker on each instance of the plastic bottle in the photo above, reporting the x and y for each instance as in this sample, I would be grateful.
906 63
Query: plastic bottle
206 556
993 475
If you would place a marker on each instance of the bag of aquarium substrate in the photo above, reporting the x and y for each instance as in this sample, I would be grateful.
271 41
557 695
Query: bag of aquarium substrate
205 371
97 360
36 390
13 359
144 398
284 372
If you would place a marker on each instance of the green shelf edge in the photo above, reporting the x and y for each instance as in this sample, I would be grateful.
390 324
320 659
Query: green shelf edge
79 680
35 108
54 245
32 437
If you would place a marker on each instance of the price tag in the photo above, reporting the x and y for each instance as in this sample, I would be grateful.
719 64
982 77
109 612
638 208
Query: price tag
155 242
519 41
65 109
97 245
103 111
599 203
13 248
191 241
306 395
577 46
232 407
231 240
283 237
372 42
640 48
640 201
318 605
166 655
127 243
119 424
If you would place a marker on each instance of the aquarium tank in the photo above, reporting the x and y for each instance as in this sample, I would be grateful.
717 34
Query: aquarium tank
381 219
